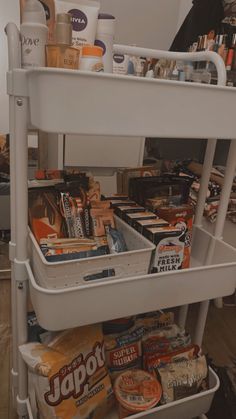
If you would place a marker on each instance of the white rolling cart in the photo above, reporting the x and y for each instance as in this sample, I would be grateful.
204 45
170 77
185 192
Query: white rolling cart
62 101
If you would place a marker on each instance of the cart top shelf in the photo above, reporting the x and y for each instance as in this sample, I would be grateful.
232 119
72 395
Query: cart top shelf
69 101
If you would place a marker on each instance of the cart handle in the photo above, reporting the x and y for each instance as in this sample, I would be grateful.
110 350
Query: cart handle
14 48
182 56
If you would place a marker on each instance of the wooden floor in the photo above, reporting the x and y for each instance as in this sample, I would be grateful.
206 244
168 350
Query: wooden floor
219 340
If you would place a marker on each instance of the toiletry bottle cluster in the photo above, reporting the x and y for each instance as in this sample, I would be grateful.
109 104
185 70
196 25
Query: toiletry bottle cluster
66 34
222 44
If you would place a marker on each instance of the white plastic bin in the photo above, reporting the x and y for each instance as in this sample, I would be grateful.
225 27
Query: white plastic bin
112 298
65 274
188 408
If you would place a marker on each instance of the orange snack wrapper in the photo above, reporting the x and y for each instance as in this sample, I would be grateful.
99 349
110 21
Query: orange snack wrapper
100 217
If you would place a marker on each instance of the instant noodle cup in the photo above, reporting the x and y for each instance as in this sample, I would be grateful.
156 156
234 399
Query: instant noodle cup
136 391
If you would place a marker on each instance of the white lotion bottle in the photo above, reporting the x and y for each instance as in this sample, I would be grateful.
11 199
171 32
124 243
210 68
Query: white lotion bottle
34 34
105 39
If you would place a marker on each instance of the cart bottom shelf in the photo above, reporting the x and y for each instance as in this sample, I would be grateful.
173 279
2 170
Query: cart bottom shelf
188 408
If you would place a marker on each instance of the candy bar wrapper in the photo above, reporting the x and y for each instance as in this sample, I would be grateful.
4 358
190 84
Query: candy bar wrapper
140 225
143 215
94 191
45 174
100 204
70 249
115 197
99 218
72 211
87 218
122 210
114 203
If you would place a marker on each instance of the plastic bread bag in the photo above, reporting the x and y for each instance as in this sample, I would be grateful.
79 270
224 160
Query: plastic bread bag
68 377
183 379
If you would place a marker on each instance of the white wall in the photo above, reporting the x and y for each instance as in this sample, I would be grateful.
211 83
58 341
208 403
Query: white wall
185 6
147 23
9 12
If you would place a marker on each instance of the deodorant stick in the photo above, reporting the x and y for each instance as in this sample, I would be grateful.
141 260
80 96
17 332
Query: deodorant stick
34 33
105 39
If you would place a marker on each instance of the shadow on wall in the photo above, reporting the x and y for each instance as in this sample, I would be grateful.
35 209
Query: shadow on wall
184 149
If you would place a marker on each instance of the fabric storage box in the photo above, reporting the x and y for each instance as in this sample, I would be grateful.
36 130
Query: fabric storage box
65 274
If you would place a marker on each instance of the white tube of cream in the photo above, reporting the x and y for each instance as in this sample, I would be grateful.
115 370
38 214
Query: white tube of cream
84 19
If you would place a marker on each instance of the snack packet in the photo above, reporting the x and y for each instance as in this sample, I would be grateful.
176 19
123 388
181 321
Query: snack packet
45 219
155 320
164 340
183 379
155 361
72 209
100 217
115 240
69 378
124 351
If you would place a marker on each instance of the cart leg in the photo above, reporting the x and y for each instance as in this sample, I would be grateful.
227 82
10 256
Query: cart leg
12 246
224 200
204 182
207 166
183 313
14 370
201 322
21 220
219 303
14 61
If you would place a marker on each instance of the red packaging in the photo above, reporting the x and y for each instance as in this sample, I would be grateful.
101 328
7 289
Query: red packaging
155 361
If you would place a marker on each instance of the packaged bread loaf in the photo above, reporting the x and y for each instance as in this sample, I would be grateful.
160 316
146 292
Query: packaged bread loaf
68 377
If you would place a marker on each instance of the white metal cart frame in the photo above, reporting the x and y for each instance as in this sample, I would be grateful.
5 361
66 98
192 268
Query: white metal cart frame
27 90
